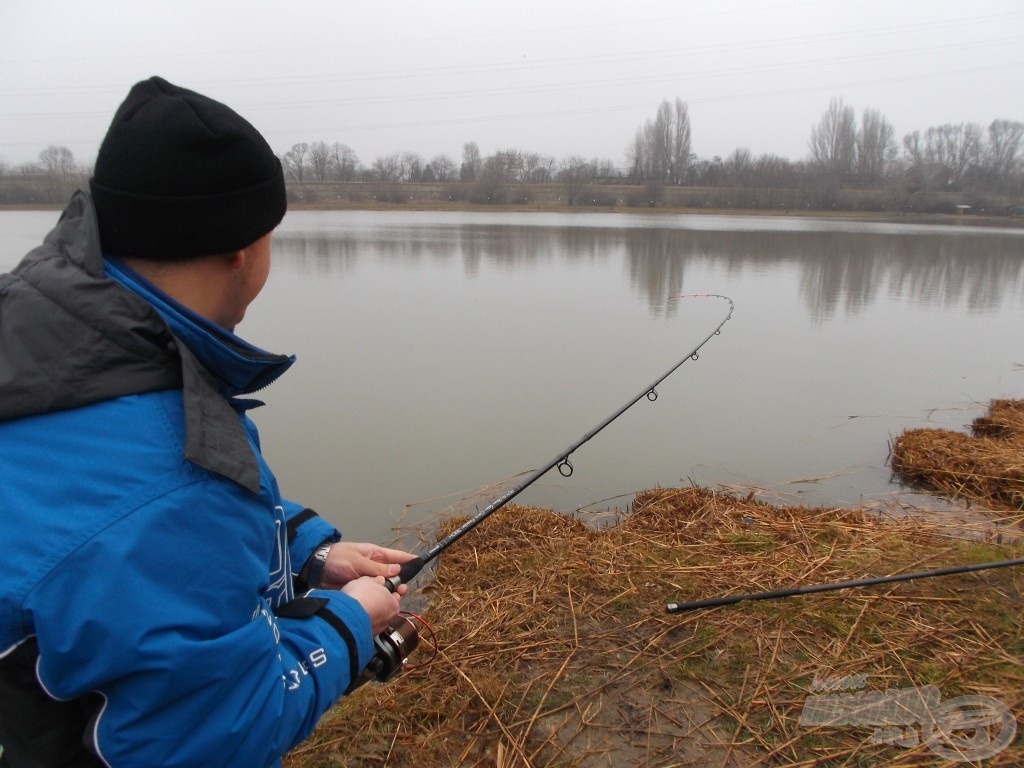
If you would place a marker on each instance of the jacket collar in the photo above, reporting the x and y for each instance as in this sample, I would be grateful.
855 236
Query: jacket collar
238 367
70 337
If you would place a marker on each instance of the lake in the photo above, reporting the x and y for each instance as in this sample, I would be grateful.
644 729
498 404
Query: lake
441 353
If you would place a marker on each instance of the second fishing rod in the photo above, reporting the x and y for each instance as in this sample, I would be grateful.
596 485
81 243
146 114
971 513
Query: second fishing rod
561 461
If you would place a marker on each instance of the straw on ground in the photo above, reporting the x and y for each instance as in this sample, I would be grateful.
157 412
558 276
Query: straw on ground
554 649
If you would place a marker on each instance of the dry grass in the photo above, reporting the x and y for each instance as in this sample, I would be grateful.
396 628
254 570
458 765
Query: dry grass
554 648
985 468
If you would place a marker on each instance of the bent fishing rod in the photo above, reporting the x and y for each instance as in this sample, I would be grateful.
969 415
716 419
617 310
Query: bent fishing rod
776 594
412 568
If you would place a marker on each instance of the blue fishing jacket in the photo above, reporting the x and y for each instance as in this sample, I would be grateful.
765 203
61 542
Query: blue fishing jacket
148 614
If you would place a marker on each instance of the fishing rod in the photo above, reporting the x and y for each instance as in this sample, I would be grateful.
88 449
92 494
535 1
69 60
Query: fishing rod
813 588
413 567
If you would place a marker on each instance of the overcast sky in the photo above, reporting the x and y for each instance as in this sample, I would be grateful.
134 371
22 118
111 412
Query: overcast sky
557 77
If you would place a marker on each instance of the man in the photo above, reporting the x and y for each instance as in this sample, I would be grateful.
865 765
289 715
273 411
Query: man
153 596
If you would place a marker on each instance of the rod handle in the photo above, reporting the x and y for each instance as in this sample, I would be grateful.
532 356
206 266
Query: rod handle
409 570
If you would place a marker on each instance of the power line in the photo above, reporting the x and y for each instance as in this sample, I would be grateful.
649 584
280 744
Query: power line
419 72
419 96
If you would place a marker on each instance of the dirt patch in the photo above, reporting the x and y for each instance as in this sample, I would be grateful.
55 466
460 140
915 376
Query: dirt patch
627 725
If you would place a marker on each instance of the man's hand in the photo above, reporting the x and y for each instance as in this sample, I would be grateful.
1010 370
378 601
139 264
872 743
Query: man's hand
380 605
350 560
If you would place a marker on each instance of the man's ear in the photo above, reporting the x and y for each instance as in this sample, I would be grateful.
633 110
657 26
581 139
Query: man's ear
236 259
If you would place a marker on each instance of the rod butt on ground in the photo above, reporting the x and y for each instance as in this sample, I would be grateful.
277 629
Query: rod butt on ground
815 588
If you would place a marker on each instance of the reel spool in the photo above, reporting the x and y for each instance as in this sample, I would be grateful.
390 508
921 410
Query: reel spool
393 648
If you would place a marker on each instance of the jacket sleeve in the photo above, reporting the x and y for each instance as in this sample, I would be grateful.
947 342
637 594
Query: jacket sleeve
162 613
306 531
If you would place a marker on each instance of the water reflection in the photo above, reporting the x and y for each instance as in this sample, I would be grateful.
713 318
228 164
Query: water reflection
458 349
441 352
837 270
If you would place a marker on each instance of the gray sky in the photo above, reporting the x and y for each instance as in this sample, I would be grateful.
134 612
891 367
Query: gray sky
558 77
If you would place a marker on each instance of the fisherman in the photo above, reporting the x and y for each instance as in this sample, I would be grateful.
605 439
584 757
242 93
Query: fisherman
160 603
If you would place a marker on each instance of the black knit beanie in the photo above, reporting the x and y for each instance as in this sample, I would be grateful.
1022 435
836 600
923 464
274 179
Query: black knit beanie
180 175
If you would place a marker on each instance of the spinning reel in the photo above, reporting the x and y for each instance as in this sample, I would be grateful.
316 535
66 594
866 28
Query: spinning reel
393 647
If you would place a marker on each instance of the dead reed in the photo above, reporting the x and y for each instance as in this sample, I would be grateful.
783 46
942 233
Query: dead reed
554 648
985 468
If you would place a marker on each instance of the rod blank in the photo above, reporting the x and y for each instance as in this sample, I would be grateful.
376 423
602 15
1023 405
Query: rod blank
413 567
813 588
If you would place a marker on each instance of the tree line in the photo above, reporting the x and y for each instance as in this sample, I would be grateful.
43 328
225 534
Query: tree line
984 164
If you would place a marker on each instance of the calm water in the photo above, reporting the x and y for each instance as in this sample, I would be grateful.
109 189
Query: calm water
440 353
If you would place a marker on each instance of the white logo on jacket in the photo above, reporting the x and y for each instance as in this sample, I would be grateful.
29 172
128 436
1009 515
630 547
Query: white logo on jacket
280 590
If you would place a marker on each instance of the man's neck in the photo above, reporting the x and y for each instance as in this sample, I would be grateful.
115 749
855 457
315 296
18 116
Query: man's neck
199 284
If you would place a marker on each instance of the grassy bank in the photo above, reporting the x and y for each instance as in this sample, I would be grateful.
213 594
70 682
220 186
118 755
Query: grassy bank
551 645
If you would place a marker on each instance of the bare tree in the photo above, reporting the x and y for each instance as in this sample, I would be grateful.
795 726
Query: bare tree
575 173
707 173
1002 152
443 167
471 161
490 180
738 167
913 148
664 125
603 169
834 142
59 161
680 155
530 162
319 161
661 148
506 165
635 156
922 172
294 162
774 172
59 166
388 168
344 161
658 138
412 166
544 170
955 147
876 147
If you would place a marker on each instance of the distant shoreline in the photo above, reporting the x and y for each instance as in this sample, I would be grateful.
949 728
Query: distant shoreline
935 219
938 219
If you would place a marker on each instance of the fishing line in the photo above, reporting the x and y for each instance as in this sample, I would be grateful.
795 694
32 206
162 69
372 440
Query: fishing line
814 588
412 568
